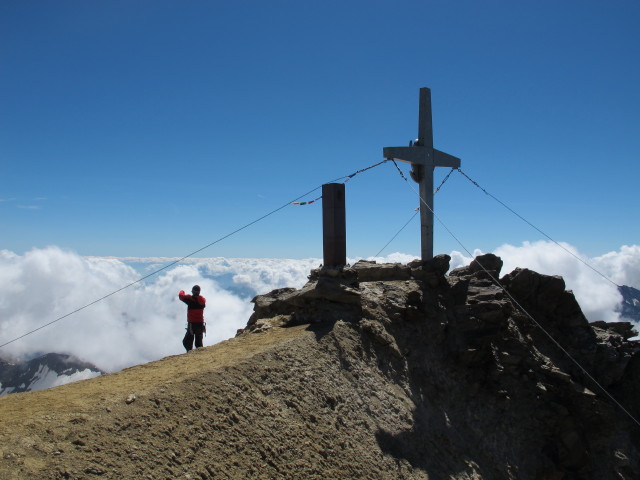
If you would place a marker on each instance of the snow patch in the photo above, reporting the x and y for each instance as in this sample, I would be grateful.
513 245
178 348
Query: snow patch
47 378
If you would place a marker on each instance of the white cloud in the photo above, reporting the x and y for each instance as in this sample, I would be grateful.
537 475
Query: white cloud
623 267
146 321
141 323
458 259
261 275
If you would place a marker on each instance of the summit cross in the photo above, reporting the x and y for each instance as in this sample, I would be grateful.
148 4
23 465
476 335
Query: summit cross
423 159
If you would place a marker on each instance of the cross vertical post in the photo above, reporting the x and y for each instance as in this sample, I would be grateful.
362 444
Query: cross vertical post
423 159
425 139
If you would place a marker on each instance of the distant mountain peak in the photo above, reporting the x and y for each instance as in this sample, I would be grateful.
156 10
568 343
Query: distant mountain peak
46 371
630 306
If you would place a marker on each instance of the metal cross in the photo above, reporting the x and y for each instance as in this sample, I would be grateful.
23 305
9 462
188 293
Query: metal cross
423 159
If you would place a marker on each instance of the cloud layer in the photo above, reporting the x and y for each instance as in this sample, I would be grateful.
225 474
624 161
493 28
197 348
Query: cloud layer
146 321
141 323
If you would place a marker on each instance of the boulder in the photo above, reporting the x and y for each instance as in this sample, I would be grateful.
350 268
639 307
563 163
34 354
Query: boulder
370 271
544 292
486 266
431 272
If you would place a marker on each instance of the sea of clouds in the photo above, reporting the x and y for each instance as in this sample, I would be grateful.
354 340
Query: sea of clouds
146 321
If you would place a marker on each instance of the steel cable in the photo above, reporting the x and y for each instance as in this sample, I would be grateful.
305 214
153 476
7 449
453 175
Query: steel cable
155 272
497 282
539 230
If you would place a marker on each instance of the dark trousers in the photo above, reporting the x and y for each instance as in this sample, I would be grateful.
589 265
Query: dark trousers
194 331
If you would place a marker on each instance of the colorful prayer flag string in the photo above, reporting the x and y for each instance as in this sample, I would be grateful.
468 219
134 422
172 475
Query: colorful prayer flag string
306 203
348 177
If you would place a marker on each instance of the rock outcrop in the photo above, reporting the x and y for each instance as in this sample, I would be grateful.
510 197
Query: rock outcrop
515 377
367 372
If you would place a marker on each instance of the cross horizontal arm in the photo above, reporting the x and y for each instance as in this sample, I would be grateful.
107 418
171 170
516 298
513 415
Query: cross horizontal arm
421 156
442 159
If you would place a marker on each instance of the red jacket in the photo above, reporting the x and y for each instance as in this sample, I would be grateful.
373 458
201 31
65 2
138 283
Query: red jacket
195 307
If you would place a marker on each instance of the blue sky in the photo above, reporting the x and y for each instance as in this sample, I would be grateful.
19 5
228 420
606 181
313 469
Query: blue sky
152 128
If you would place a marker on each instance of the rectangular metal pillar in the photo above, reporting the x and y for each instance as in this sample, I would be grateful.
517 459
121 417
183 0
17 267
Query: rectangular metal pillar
334 234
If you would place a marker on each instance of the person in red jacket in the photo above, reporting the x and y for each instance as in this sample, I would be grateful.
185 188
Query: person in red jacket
195 317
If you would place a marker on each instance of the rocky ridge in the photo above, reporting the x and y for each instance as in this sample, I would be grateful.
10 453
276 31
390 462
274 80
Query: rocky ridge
520 391
372 371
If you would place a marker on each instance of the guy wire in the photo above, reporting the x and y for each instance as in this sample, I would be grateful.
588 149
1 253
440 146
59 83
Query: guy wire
187 256
497 282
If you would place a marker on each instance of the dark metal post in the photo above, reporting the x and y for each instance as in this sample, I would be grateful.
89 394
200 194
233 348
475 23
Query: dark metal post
334 233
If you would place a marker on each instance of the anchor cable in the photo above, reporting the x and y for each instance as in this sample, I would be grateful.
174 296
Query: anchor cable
497 282
539 230
414 214
155 272
398 232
